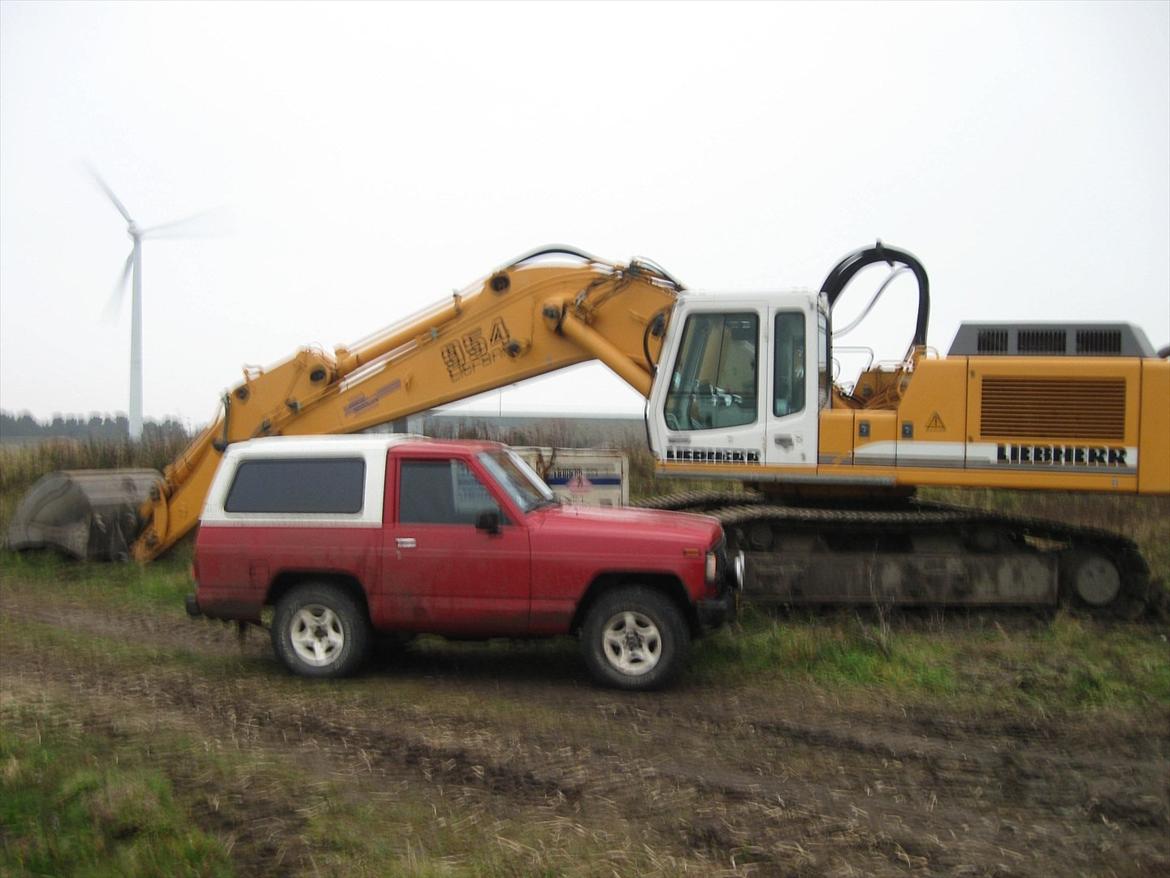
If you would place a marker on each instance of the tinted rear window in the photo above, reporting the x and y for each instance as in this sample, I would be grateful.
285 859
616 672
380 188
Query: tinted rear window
295 485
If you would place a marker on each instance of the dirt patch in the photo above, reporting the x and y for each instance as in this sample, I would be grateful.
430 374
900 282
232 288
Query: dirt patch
201 636
708 780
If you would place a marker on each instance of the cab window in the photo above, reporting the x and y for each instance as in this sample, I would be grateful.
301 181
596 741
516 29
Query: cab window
788 383
824 390
714 380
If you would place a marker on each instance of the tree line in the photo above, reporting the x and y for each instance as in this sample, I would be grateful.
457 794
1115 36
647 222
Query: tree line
104 427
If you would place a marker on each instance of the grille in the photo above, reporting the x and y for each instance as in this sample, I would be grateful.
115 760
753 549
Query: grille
1099 342
992 341
1041 341
1053 408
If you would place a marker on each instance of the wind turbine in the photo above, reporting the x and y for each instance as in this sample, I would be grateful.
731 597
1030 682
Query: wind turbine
133 267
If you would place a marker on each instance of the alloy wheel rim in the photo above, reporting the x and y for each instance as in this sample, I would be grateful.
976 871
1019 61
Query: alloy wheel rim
632 643
317 635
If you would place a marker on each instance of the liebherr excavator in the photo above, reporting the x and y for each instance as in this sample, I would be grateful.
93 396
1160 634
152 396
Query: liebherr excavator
739 388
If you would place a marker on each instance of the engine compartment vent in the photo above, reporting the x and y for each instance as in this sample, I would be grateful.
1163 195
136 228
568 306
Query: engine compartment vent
1044 342
993 341
1099 342
1019 407
1050 340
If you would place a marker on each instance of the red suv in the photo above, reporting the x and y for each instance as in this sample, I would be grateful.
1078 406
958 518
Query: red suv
348 537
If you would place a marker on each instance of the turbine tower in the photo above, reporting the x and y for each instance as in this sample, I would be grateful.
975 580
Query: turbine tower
133 269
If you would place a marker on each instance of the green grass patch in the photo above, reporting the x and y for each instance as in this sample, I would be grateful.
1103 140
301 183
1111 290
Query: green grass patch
828 652
1067 663
72 805
160 585
1093 665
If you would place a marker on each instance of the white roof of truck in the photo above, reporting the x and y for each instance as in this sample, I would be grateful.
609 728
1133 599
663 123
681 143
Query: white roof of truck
296 446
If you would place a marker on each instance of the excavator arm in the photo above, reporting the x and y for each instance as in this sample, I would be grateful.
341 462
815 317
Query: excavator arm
526 319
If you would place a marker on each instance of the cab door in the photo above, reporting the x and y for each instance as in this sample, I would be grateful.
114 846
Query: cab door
710 410
440 572
797 385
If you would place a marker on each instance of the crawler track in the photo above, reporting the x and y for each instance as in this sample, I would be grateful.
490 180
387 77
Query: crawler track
921 554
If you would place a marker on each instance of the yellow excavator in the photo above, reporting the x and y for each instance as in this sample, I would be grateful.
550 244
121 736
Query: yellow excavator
739 388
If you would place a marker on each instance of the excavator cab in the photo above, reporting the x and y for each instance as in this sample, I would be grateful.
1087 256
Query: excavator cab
749 378
744 381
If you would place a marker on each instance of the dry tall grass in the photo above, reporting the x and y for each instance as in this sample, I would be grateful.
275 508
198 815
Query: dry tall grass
21 465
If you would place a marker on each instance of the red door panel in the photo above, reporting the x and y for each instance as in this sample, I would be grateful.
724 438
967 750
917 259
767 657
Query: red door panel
442 574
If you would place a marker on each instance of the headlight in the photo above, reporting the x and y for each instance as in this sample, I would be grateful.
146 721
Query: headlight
712 569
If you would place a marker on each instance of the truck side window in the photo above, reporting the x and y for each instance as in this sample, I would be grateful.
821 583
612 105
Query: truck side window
293 485
714 380
441 492
788 396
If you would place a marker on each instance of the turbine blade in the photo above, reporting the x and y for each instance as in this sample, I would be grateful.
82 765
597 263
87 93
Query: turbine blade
105 187
114 305
205 224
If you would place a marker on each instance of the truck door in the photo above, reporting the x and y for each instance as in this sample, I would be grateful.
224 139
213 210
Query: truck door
441 573
797 385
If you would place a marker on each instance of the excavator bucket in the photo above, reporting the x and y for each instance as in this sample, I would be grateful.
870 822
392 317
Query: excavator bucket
91 514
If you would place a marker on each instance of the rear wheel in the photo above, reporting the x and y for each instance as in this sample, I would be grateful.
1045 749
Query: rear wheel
635 639
319 630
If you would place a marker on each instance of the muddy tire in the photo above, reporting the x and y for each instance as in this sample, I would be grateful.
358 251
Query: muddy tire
319 630
634 639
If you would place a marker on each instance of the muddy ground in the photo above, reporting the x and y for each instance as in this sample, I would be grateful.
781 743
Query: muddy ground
698 780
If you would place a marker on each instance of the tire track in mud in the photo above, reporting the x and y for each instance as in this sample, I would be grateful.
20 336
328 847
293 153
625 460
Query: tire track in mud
1018 787
562 780
718 775
135 625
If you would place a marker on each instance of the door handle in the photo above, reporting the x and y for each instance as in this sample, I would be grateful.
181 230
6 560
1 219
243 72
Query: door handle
405 543
784 440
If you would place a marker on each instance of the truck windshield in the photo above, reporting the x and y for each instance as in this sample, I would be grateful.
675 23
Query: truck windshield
517 478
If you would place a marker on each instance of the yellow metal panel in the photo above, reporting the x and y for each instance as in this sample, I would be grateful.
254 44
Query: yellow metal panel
1154 444
836 436
875 438
935 403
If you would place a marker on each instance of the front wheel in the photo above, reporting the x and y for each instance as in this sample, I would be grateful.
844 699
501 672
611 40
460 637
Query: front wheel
319 630
635 639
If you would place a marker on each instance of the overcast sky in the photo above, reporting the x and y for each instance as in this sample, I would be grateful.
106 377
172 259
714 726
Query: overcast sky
373 157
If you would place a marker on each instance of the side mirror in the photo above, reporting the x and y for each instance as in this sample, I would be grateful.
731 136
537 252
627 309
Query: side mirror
489 521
